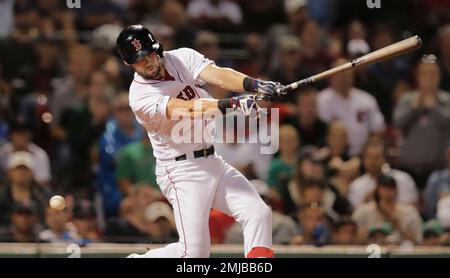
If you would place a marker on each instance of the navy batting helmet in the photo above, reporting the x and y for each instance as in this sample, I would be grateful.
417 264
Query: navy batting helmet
135 42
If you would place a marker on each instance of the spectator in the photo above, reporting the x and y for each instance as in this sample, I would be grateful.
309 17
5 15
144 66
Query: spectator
387 80
357 40
345 232
216 15
374 162
283 227
161 223
312 130
143 10
404 219
56 21
379 234
136 166
323 11
18 61
438 185
20 140
355 108
59 229
34 107
131 225
341 169
84 126
358 46
313 225
21 187
296 13
310 170
434 233
24 226
281 169
314 53
207 43
120 131
94 13
165 35
173 14
102 44
84 220
312 190
290 67
424 111
444 52
443 210
255 63
71 90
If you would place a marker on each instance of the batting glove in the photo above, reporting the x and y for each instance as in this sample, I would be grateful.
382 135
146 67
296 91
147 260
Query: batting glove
246 104
270 90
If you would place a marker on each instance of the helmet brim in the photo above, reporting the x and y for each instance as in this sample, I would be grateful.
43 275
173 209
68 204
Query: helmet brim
141 54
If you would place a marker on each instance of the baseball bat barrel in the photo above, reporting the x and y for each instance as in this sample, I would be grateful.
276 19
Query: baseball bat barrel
379 55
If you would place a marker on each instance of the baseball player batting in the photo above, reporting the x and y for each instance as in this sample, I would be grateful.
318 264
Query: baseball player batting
192 176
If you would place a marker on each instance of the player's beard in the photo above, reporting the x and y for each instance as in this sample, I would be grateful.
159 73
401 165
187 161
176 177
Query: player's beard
157 71
155 75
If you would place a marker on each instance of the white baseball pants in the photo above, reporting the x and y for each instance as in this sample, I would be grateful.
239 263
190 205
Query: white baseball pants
193 187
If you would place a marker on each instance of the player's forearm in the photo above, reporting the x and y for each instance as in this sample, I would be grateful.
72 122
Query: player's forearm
231 80
177 108
194 108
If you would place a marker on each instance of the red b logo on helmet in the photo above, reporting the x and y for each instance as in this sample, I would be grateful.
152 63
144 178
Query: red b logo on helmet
137 44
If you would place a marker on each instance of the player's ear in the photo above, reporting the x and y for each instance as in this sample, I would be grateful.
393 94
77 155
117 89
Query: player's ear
126 63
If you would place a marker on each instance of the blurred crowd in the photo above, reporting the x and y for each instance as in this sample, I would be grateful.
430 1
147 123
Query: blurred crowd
364 157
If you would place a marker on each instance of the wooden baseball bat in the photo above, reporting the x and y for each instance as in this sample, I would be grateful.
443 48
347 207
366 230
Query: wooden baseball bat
382 54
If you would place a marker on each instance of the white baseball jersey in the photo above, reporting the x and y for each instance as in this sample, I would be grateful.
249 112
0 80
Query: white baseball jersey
195 185
149 98
359 113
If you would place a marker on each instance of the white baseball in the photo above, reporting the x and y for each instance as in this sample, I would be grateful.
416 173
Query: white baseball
57 202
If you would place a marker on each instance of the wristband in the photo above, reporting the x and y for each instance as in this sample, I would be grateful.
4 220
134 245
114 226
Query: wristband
223 104
250 84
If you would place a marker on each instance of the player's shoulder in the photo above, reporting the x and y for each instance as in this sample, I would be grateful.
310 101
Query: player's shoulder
141 90
180 52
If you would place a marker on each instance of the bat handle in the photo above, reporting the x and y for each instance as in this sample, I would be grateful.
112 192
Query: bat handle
301 83
292 86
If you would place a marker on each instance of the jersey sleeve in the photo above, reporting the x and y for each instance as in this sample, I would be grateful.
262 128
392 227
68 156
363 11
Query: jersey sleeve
149 108
195 62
